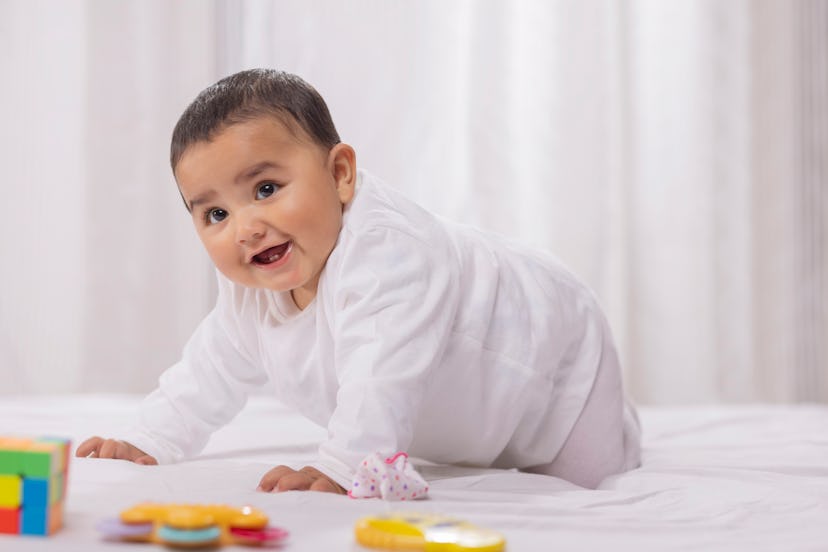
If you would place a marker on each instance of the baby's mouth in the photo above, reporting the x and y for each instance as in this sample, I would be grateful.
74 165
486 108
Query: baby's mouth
272 254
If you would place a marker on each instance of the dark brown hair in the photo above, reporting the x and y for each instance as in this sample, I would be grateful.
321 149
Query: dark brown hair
250 94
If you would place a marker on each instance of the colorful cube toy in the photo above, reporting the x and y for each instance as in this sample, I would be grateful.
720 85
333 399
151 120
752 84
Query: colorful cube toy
32 484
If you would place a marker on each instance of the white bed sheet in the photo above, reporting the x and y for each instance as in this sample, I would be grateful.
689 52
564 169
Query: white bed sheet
713 478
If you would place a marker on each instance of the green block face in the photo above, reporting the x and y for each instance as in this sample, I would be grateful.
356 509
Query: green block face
37 464
11 462
61 452
26 463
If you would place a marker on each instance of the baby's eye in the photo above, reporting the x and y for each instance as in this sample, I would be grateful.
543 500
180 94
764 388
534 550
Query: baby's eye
214 216
265 189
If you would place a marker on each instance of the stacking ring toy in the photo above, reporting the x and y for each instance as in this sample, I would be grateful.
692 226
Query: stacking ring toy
192 525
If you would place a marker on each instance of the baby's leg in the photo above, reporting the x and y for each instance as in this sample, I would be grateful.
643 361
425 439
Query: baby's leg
606 438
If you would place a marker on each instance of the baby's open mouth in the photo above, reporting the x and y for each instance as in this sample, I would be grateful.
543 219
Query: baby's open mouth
272 254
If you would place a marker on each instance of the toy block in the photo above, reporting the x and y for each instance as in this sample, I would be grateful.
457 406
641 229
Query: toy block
32 484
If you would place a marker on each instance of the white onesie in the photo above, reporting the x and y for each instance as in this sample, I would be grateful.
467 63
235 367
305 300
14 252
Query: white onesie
425 336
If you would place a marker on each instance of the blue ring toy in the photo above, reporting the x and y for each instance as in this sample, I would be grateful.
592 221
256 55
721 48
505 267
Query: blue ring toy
188 536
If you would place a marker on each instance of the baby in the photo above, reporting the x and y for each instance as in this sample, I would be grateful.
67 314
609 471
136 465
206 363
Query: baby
393 328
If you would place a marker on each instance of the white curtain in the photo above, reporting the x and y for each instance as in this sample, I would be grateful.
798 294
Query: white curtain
102 277
672 153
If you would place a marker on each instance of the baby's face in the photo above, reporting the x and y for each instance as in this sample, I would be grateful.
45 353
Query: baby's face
267 205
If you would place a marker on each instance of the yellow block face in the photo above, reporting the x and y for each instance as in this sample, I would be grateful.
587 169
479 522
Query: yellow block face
10 491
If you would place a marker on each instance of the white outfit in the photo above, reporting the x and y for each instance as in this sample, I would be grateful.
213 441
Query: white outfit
428 337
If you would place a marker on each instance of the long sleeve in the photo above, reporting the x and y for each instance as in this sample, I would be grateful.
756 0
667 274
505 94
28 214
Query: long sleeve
203 391
394 304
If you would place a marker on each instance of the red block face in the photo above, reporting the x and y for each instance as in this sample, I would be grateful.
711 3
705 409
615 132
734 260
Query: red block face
10 520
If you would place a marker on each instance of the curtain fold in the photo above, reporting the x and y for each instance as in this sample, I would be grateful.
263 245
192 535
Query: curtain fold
672 153
103 278
662 149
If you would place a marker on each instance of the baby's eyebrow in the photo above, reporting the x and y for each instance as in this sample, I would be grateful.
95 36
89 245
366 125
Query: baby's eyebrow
201 198
256 169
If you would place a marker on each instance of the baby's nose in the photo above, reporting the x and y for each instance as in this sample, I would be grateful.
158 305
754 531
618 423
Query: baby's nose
249 228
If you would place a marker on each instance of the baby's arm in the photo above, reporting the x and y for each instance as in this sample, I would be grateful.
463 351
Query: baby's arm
396 297
98 447
196 396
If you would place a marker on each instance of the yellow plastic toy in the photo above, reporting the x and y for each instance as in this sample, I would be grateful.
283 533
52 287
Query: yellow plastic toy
425 532
192 525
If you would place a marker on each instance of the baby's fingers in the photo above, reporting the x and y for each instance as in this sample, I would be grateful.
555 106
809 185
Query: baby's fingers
89 447
271 479
112 448
321 482
325 485
283 478
99 447
146 460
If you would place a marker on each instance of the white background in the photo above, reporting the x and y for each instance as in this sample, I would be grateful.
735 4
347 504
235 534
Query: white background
672 153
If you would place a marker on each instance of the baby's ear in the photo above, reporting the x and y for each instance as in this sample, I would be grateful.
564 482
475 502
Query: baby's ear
342 160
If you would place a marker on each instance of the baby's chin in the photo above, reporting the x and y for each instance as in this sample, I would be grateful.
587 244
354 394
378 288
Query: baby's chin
262 283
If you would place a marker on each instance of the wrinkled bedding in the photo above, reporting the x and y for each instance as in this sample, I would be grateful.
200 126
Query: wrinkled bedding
713 478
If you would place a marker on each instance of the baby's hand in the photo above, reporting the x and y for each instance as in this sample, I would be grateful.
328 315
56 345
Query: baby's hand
283 478
98 447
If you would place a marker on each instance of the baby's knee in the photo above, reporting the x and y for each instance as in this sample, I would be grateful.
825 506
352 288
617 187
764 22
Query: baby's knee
593 452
